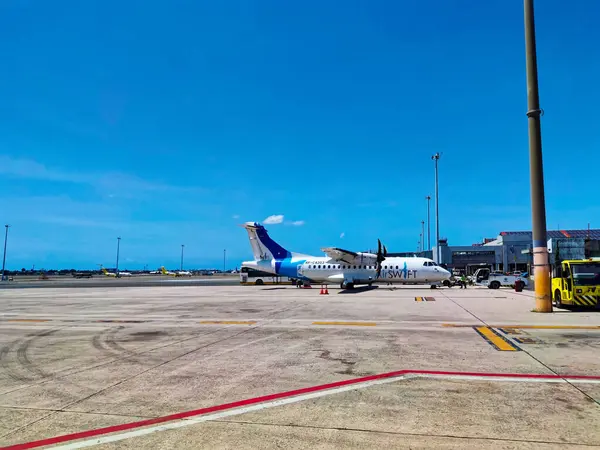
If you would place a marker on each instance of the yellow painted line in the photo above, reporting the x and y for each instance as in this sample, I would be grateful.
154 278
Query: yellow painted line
530 327
228 322
418 299
28 320
496 340
354 324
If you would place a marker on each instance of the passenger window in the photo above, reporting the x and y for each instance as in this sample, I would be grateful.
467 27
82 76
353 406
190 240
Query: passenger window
355 267
396 267
319 266
329 267
385 267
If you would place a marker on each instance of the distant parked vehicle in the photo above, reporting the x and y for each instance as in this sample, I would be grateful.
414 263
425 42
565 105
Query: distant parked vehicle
82 275
495 280
258 277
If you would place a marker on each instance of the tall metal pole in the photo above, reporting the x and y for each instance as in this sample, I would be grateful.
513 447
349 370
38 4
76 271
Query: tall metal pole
436 158
224 258
543 298
428 222
118 246
4 257
422 235
181 265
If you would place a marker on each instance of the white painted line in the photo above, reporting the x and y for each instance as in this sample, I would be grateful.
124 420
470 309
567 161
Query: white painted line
286 401
233 412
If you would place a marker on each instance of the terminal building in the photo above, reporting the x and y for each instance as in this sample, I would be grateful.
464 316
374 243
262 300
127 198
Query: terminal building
511 250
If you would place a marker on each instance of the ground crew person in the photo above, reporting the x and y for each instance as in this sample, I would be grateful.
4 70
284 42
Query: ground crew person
463 281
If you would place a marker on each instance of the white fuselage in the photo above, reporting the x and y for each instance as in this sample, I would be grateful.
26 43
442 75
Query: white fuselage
393 270
329 270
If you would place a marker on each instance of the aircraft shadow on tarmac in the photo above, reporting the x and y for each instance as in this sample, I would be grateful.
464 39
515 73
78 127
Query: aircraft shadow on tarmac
358 290
273 289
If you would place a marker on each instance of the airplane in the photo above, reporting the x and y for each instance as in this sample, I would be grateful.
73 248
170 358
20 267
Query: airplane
115 275
340 266
179 273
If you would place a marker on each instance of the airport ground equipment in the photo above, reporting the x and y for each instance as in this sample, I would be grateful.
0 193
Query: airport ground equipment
576 283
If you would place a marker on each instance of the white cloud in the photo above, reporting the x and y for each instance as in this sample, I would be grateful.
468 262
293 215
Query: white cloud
342 235
274 219
297 223
235 216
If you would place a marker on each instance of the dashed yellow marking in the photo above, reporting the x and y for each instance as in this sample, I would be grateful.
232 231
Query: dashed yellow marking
354 324
227 322
28 320
496 340
419 299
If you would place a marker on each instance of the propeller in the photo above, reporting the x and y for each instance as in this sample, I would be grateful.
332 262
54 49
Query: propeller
381 255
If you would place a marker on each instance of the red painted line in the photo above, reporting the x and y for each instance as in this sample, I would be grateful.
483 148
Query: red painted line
270 397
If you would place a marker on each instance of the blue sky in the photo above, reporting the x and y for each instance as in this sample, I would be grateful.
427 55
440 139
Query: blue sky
170 123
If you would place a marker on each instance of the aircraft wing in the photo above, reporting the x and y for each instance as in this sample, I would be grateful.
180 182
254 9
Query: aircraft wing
349 256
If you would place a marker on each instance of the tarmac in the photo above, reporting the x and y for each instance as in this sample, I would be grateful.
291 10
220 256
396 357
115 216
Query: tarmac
67 281
280 367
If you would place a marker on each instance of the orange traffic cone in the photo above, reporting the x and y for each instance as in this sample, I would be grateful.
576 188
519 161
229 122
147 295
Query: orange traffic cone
322 291
326 290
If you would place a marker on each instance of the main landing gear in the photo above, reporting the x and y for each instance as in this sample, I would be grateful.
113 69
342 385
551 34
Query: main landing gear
345 285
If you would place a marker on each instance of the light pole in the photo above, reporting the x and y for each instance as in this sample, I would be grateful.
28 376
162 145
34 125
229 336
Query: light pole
428 222
436 158
543 299
422 235
224 258
4 257
181 266
118 246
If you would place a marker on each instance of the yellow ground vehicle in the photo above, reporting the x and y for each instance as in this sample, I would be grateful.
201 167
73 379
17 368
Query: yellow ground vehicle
577 283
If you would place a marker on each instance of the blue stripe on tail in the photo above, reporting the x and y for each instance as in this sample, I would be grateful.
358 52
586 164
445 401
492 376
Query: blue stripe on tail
277 250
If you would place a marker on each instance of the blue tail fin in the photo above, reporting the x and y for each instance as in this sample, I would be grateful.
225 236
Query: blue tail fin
263 247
